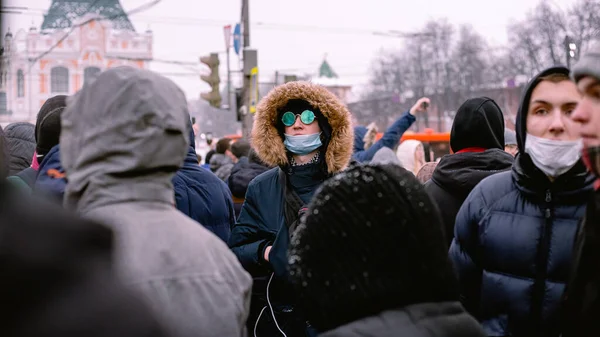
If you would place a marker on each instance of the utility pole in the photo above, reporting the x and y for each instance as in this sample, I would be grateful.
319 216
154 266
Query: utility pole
227 31
250 61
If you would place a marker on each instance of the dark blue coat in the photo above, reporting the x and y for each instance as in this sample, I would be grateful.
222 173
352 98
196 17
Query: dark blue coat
203 197
49 185
513 246
514 237
261 222
390 138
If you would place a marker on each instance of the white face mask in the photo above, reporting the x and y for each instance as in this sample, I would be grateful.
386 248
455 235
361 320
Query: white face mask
553 157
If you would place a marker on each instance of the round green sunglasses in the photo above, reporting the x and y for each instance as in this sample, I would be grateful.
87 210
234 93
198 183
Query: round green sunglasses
306 117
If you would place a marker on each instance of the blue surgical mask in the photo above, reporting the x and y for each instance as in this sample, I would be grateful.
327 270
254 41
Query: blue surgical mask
303 144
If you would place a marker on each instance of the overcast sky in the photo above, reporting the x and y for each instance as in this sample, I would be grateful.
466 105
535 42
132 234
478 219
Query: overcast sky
293 35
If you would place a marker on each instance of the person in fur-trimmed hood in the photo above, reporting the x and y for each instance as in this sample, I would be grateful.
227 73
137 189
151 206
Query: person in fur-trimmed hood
306 132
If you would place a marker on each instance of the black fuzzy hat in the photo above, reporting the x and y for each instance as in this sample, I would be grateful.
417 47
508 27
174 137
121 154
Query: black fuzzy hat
47 125
371 241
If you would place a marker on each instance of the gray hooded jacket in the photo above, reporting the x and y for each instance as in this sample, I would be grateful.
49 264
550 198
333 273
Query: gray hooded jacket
123 137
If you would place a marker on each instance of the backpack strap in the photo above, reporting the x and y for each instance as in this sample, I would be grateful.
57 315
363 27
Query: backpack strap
294 206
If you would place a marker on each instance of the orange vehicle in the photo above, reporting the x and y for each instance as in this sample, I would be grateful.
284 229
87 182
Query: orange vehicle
438 142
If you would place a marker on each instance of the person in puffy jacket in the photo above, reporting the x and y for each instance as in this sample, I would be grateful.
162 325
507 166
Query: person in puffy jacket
20 142
360 224
514 233
47 133
477 140
365 146
128 134
202 196
305 133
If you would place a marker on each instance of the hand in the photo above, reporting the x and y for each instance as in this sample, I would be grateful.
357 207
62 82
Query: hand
418 107
267 251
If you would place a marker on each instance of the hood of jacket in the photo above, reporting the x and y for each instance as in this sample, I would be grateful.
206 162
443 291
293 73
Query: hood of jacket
406 154
123 138
242 173
460 172
266 138
20 142
385 156
528 177
479 122
448 319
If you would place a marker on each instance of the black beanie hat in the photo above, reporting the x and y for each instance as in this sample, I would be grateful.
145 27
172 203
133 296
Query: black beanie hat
47 125
479 122
371 241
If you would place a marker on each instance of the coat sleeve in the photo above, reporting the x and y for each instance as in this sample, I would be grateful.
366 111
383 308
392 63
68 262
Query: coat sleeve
390 138
463 250
249 236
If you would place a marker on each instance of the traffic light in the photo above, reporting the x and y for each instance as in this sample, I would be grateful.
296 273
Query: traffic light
214 96
571 50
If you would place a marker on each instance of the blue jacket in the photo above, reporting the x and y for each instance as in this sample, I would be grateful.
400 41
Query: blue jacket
48 183
203 197
390 138
262 223
198 192
513 243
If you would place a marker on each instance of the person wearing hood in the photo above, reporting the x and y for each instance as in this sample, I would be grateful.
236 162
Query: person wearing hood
20 142
47 132
57 273
348 288
510 142
202 196
242 173
385 155
411 155
477 140
582 298
365 146
123 138
305 132
514 233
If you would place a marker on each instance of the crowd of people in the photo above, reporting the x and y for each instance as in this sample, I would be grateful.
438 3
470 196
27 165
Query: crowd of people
111 226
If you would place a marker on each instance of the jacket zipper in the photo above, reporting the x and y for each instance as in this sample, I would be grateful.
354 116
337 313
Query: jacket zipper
541 267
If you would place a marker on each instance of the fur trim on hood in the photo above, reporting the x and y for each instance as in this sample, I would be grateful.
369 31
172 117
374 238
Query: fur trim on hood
370 135
267 141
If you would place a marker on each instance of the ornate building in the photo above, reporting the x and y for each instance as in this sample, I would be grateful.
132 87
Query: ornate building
329 79
98 34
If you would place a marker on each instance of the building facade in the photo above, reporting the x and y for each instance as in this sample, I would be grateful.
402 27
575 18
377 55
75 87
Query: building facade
82 46
330 80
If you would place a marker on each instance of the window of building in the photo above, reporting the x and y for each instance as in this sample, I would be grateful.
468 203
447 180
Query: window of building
59 80
90 73
20 83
